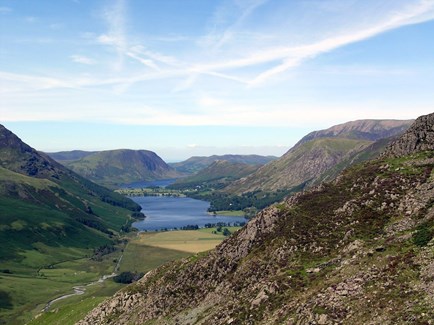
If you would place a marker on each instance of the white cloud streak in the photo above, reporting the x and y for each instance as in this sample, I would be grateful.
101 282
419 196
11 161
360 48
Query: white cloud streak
5 10
116 37
251 65
293 56
82 59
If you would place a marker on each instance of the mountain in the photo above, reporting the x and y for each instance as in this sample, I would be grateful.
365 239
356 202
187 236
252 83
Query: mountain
217 175
62 156
112 168
318 152
45 198
358 250
195 164
371 130
48 215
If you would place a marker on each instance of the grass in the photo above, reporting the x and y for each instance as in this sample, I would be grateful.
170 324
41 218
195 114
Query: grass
28 292
143 253
188 241
231 213
71 310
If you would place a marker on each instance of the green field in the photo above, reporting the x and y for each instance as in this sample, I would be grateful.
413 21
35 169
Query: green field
144 252
231 213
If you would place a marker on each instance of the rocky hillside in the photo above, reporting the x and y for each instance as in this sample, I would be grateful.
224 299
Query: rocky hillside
195 164
112 168
321 155
358 250
418 138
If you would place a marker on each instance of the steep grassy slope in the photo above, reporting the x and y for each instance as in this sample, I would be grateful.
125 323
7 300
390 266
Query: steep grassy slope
115 167
217 175
48 215
358 250
195 164
318 152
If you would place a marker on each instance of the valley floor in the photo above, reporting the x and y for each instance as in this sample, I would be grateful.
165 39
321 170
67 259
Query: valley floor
144 252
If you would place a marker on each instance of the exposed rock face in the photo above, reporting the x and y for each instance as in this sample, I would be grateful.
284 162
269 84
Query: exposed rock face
358 250
420 136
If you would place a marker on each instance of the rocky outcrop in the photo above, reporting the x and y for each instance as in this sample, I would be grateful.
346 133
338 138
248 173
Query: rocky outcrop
419 137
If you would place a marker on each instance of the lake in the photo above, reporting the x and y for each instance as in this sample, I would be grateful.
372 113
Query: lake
170 212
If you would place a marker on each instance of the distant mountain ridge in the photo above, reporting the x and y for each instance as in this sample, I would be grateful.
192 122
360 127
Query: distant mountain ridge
220 171
116 167
318 152
371 130
196 163
69 155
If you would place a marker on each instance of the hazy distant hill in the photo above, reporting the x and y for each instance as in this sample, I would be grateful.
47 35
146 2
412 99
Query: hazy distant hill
358 250
69 155
326 151
194 164
114 167
216 175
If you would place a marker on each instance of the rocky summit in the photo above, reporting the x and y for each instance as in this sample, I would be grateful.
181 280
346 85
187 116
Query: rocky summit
357 250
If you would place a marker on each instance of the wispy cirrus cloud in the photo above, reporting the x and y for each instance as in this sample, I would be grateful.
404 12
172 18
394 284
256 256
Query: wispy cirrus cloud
226 25
5 10
293 56
12 82
242 49
267 58
82 59
116 36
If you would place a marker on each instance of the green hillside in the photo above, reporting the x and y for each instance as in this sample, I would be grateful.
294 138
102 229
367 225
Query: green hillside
48 215
197 163
217 175
116 167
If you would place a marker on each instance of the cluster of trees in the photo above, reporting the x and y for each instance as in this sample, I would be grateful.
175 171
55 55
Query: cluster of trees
218 225
138 215
224 224
94 224
222 201
99 252
190 227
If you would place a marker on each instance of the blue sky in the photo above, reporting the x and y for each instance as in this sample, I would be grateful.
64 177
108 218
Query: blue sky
197 77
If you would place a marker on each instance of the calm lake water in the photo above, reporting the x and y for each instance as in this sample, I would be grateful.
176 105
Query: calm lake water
170 212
